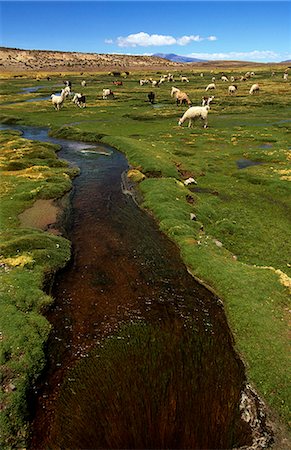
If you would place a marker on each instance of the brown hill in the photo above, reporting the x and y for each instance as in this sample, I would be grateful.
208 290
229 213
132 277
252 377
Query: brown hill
18 60
12 59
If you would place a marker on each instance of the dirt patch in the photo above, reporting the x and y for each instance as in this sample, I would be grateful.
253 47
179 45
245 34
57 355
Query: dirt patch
41 215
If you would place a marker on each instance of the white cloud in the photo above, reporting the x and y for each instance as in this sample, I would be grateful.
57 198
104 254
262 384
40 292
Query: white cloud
255 55
143 39
184 40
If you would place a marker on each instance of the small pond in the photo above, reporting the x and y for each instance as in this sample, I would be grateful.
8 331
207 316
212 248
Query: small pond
244 163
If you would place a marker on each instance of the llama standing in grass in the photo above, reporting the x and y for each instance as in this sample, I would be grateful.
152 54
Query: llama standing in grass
66 91
151 97
79 100
210 86
207 100
232 89
107 93
193 113
58 100
181 97
254 89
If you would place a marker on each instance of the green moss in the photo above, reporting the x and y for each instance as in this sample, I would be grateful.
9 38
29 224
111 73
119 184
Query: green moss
27 257
143 154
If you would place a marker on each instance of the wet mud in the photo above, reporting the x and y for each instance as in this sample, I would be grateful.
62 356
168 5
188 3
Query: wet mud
42 214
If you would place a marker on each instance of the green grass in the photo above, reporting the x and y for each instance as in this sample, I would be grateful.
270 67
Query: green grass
29 171
247 210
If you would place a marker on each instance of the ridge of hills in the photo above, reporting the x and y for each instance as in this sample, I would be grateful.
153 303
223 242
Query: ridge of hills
19 60
12 59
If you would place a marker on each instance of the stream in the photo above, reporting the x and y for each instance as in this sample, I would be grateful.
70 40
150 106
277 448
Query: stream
140 354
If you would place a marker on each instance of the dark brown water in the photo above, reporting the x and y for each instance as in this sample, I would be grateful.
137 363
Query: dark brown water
140 355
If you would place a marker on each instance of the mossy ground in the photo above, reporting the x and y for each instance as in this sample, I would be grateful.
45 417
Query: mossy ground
29 171
239 244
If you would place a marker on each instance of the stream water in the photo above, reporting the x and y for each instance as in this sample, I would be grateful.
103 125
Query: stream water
140 354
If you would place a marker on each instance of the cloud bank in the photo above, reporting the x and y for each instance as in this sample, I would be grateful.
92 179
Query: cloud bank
143 39
255 55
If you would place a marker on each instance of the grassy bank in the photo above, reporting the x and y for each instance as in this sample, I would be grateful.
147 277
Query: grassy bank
238 243
29 171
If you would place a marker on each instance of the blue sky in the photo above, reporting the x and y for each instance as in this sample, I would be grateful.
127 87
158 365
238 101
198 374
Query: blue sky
251 31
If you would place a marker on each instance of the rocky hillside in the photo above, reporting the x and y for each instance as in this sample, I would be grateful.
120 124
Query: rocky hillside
42 60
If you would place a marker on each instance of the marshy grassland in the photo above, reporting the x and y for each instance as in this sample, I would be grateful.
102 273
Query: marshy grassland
239 245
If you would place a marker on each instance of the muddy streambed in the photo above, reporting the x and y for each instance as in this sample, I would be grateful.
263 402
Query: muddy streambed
140 355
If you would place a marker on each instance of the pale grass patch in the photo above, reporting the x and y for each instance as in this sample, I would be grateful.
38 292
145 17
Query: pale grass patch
17 261
283 277
34 172
12 142
5 187
285 174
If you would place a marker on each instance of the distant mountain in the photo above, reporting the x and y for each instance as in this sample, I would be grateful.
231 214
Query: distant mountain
287 61
177 58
